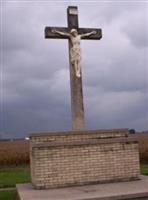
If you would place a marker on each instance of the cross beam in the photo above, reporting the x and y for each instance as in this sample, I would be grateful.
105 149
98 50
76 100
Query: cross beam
51 35
76 83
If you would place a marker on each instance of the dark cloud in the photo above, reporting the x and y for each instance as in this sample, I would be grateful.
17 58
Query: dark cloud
35 71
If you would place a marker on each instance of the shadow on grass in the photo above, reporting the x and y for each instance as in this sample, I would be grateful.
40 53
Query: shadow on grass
8 195
144 169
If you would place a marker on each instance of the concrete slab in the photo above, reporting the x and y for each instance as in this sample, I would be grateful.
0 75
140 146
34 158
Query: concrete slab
109 191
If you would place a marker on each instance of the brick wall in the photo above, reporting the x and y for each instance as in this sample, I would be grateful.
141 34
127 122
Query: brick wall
61 162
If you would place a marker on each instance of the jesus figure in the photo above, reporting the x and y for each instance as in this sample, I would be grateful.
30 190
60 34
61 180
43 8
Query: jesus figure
75 51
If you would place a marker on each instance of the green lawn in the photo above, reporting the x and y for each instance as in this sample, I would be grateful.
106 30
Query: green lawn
8 195
9 177
144 169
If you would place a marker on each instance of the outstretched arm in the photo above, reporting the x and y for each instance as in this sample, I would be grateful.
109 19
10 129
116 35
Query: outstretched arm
60 33
88 34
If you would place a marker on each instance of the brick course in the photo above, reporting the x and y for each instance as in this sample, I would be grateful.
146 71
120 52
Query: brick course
59 160
70 136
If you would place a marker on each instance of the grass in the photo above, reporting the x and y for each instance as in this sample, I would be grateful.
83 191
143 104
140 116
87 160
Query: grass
8 195
144 169
9 177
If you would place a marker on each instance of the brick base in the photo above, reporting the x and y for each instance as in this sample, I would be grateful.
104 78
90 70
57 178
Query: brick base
78 158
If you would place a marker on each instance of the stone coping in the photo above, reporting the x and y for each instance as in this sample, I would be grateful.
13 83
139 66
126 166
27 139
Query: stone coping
87 142
123 131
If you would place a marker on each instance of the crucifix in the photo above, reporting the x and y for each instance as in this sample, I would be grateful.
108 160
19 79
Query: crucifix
74 34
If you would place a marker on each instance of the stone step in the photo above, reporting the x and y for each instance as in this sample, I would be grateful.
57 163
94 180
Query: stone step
133 190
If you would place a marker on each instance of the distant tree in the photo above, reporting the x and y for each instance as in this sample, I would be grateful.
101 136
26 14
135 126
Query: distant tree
132 131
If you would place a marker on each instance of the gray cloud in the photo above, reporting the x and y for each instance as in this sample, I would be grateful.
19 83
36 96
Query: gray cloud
136 28
35 71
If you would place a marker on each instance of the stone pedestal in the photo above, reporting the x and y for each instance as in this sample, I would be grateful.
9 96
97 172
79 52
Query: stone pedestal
83 157
132 190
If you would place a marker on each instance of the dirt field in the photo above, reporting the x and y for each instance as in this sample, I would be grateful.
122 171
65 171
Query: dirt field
17 152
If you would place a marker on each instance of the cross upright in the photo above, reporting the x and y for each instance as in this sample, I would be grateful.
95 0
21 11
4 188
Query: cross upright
77 106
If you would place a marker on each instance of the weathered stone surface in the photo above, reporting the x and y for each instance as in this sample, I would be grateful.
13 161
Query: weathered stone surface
77 106
78 135
133 190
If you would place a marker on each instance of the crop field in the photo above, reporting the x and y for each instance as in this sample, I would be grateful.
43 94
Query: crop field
143 146
17 152
14 152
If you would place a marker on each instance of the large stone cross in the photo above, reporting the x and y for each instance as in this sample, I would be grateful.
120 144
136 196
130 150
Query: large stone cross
70 33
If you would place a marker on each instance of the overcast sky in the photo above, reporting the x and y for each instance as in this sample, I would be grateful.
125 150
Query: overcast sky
35 71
